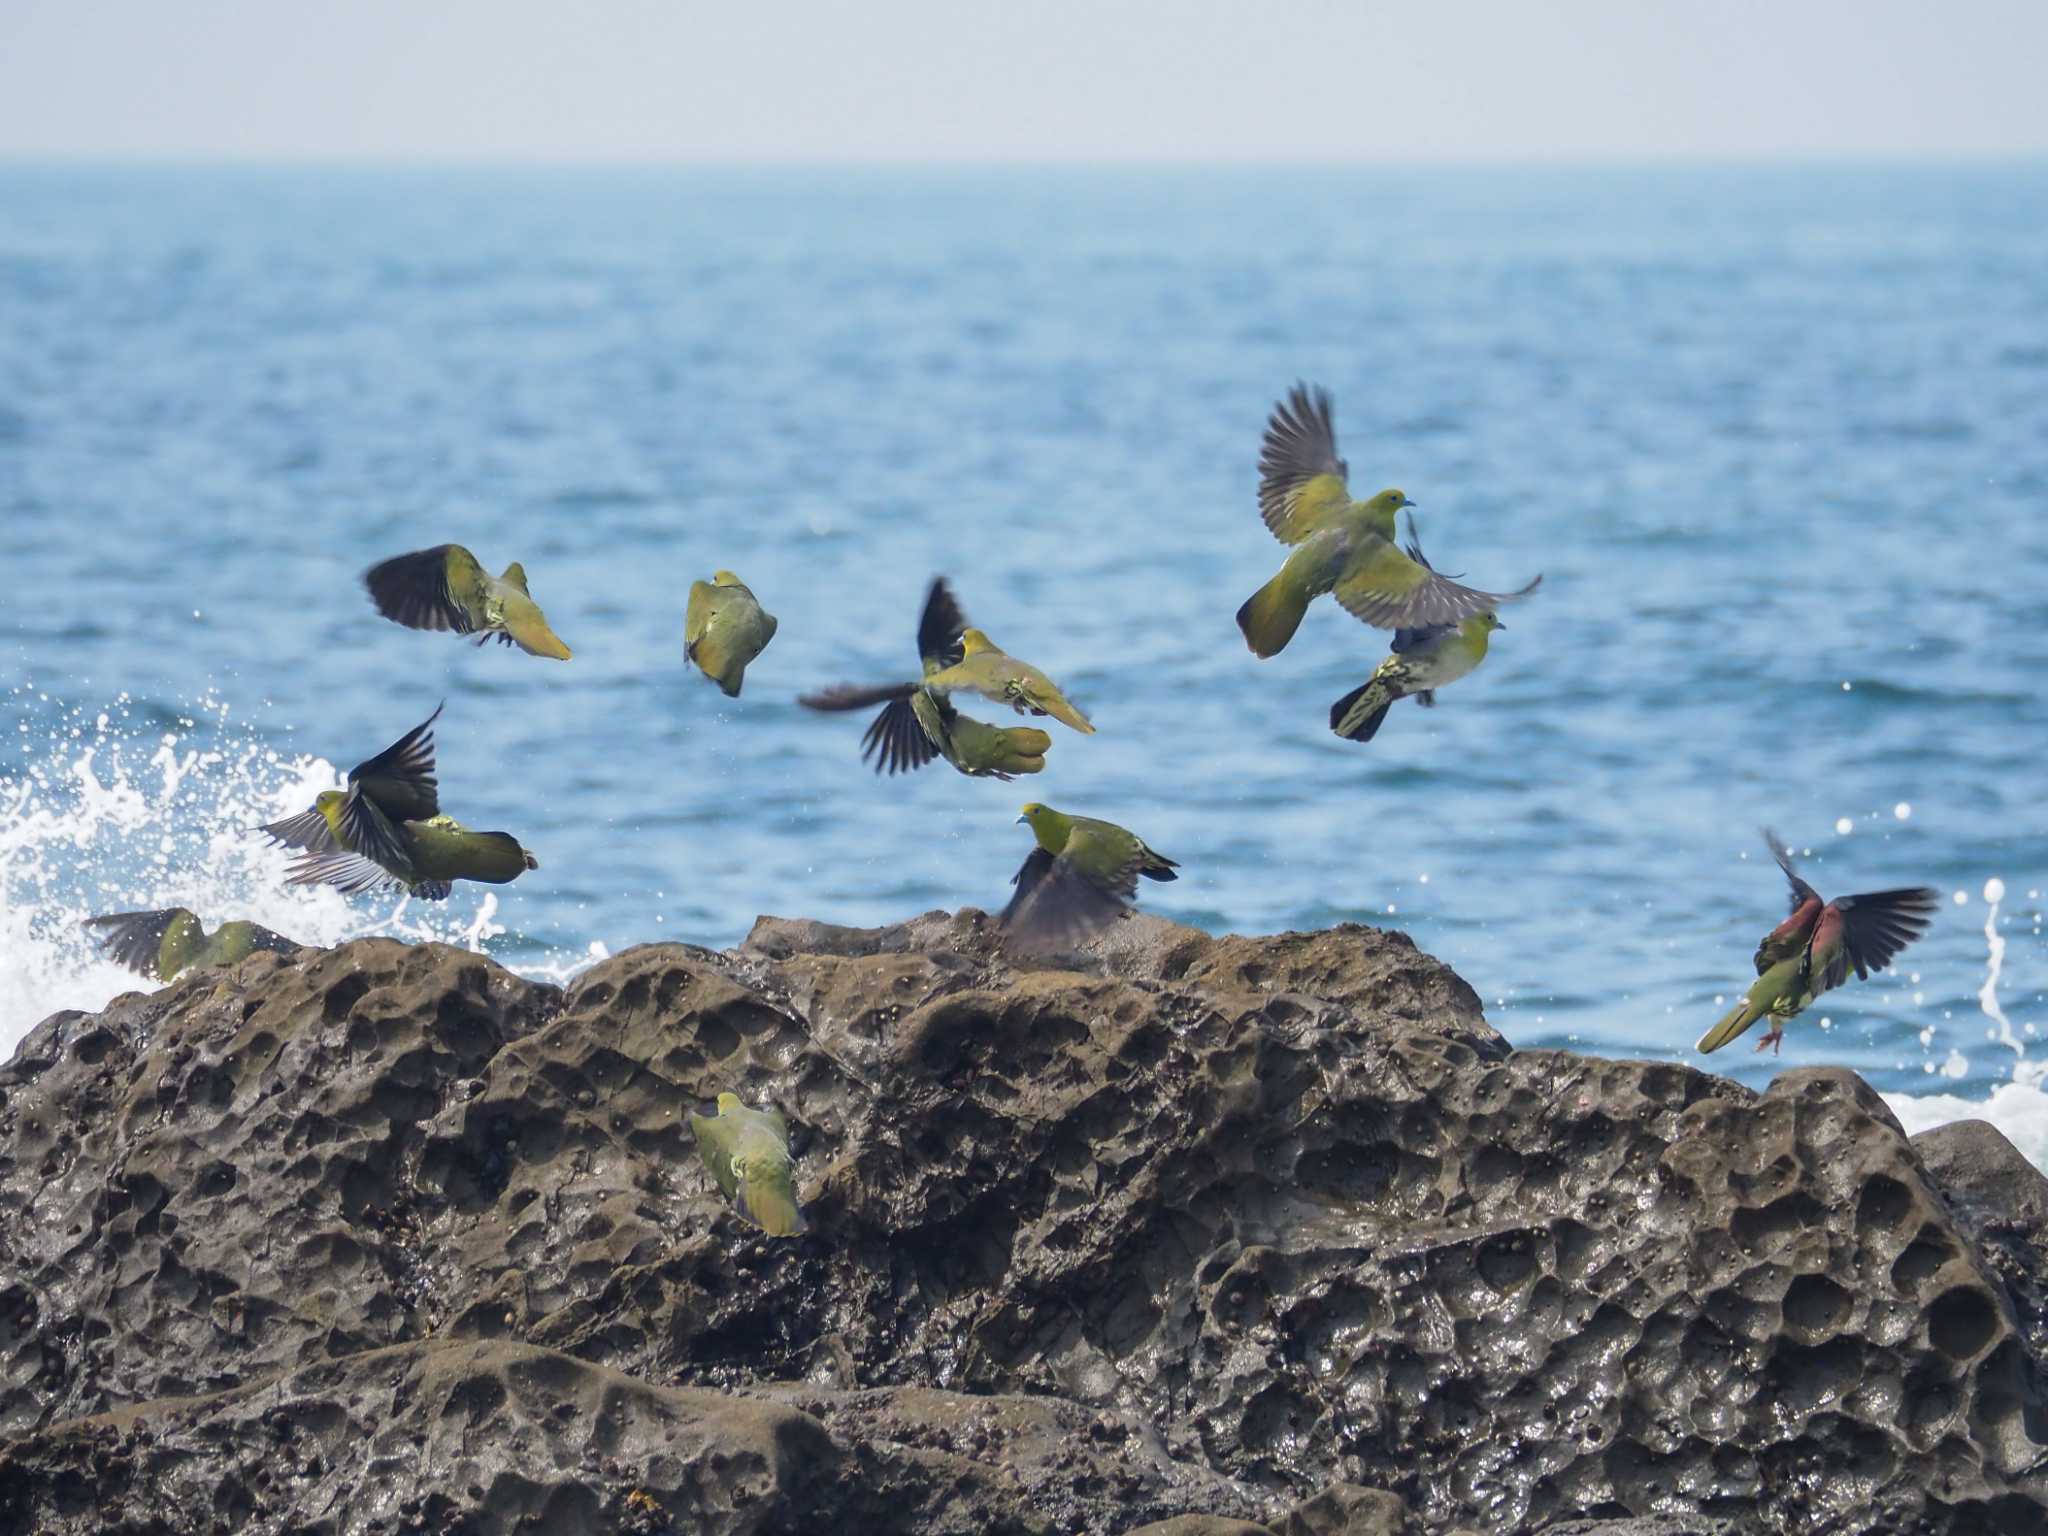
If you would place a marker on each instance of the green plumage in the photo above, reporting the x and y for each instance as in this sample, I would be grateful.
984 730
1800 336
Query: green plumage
446 588
918 723
724 629
387 828
747 1153
162 944
1341 545
1082 876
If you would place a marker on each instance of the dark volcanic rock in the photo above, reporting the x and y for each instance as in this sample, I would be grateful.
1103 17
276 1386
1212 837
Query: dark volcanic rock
1273 1231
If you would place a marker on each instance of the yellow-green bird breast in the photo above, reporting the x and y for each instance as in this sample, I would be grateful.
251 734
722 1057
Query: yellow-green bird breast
724 629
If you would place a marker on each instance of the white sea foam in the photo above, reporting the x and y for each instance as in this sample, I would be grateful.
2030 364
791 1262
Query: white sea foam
2019 1108
115 811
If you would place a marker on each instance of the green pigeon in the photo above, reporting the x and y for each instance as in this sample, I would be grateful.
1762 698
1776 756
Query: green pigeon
1423 660
445 588
1815 948
724 628
161 944
1082 876
916 724
747 1151
1340 545
386 828
985 668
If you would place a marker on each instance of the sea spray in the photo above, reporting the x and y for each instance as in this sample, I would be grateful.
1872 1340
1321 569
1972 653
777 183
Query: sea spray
135 807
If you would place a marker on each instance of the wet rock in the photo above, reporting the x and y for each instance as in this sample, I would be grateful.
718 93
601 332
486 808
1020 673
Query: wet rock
1344 1509
1182 1227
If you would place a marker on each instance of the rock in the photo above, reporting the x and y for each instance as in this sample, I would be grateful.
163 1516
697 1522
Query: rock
2001 1200
1200 1525
1344 1509
1202 1226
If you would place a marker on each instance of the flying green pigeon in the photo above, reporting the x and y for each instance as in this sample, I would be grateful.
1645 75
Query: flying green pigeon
1082 876
747 1151
917 724
386 828
161 944
1423 660
445 588
724 628
1341 545
1813 950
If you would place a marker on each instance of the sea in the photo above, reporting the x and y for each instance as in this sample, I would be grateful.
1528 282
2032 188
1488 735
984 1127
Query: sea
1775 437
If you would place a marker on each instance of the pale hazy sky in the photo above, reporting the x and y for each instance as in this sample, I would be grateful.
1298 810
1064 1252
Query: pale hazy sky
1037 80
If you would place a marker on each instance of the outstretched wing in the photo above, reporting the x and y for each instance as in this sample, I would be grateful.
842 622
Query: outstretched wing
940 626
369 832
436 588
1061 901
1801 891
896 739
400 779
345 871
308 830
134 939
1877 925
1390 591
1301 479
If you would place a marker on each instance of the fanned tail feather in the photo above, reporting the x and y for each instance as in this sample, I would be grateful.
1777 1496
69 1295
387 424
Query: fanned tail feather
1734 1024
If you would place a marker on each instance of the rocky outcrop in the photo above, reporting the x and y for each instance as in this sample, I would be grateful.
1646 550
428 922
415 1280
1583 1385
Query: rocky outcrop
1186 1234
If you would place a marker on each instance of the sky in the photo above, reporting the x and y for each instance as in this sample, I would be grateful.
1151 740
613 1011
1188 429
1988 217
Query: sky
1026 80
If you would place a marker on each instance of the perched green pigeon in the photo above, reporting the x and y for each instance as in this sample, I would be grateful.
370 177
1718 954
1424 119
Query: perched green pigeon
1340 545
161 944
747 1151
1082 876
724 628
917 724
386 828
445 588
1423 660
1815 948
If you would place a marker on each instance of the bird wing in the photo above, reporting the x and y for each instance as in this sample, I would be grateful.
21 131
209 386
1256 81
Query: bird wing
940 626
368 831
345 871
438 588
1801 891
849 696
1302 482
308 830
1088 886
715 1138
133 939
400 779
1387 589
1406 640
1876 926
697 615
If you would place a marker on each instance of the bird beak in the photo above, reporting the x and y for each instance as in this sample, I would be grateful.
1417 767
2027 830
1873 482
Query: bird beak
1498 625
1018 822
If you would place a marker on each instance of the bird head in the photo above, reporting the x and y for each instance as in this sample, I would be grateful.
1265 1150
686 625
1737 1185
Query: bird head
329 802
725 579
728 1103
973 640
1047 825
1387 503
1484 623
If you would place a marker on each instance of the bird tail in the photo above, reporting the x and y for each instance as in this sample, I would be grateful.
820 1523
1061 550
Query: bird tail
531 633
1739 1018
1271 615
1357 716
1054 703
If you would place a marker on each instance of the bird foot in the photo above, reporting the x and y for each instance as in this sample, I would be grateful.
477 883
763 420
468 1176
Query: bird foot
1774 1039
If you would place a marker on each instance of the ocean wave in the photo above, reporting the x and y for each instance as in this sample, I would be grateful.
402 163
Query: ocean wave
138 807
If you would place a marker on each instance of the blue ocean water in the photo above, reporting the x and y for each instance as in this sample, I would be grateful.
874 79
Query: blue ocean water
1776 438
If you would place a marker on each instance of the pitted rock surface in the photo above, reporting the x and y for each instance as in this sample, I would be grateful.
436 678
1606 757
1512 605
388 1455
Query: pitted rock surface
1187 1228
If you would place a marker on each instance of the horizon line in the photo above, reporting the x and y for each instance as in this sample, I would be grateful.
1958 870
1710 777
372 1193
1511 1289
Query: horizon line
1776 159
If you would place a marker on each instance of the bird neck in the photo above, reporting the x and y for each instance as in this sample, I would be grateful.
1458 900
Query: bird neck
1052 829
